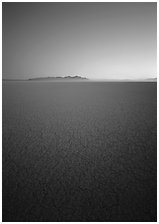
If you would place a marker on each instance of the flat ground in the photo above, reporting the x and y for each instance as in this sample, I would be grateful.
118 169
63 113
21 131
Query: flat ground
79 151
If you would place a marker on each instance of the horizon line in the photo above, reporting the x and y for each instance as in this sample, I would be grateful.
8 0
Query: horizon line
82 79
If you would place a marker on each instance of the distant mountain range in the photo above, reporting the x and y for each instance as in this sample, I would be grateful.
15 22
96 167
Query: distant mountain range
79 78
59 78
126 80
152 79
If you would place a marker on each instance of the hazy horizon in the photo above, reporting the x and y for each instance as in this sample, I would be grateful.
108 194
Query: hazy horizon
94 40
83 78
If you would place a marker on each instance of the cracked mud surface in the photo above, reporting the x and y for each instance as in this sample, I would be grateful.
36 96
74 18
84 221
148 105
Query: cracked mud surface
79 151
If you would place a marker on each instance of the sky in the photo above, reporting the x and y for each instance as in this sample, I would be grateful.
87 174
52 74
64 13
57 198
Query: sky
95 40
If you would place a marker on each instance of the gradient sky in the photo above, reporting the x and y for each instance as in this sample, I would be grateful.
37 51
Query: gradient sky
95 40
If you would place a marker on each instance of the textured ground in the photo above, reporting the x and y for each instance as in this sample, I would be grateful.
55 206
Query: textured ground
79 151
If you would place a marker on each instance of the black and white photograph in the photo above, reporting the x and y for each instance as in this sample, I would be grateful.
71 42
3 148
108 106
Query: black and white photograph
79 111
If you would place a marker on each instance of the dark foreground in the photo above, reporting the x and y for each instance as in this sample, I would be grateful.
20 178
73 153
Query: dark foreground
79 151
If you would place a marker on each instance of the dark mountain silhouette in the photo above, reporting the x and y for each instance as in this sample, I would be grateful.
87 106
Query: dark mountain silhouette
60 78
